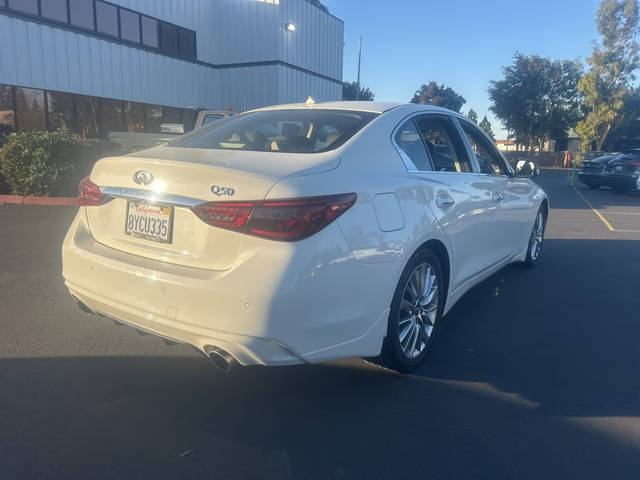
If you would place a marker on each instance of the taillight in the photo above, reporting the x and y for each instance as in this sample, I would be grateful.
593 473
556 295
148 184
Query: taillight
224 214
89 193
285 220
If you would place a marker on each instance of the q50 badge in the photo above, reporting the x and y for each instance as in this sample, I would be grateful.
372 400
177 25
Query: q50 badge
220 191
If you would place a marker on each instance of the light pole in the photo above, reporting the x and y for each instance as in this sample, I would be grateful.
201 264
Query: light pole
359 61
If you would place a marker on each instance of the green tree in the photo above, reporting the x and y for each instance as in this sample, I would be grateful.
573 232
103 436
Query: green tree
472 115
606 86
439 95
350 92
485 125
537 99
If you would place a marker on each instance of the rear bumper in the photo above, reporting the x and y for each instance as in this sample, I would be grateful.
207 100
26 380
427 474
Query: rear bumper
284 304
622 180
589 178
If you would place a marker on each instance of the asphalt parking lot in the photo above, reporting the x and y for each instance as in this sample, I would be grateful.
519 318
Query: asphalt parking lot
534 375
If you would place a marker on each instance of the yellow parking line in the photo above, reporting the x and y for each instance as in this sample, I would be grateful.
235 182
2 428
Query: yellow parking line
598 214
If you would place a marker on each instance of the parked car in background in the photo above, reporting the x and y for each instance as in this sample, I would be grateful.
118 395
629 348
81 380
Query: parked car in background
193 119
622 173
592 171
303 233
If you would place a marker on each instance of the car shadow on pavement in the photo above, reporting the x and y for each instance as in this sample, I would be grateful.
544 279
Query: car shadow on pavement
142 417
564 341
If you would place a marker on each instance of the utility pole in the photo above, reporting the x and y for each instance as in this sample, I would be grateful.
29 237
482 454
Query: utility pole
359 61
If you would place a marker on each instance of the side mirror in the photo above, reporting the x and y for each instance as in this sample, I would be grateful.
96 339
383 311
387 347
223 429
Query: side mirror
527 169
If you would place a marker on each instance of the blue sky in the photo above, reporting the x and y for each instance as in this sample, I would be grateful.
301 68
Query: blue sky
462 43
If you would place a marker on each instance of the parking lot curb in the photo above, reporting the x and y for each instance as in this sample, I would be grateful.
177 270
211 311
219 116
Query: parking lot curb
45 201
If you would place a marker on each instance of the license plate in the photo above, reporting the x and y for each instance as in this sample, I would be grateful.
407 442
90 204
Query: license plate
149 222
619 168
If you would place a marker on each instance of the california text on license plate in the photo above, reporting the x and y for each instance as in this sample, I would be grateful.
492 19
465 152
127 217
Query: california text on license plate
149 222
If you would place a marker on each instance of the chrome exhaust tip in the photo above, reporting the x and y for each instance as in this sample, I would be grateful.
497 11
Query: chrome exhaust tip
220 359
84 308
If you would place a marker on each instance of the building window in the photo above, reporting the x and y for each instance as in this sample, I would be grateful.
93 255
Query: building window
82 13
60 110
187 43
30 109
54 10
129 25
152 118
26 6
149 31
169 38
112 117
107 18
7 121
88 116
134 117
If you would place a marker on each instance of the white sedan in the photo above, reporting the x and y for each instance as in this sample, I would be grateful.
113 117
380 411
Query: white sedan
302 233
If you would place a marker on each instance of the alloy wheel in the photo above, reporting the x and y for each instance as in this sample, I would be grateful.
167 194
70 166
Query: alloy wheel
418 310
537 236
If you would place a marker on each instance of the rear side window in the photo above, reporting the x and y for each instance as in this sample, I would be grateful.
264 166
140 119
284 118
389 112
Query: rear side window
292 131
445 147
408 139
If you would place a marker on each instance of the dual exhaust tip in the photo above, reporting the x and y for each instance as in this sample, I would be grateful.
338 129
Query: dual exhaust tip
219 358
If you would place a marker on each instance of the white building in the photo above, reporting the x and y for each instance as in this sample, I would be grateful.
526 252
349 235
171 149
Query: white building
95 66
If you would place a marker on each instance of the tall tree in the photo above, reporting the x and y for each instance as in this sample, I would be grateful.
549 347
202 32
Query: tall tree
439 95
472 115
350 92
485 125
606 86
537 99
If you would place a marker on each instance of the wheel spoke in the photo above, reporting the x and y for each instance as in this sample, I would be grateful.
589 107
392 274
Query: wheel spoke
430 282
416 334
408 328
431 296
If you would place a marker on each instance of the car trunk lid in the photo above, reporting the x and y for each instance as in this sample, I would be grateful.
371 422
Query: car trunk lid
171 181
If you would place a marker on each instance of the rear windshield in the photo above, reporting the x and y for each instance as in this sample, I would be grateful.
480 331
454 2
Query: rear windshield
294 131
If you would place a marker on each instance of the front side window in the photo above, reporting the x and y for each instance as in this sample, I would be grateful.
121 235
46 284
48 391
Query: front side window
408 139
445 147
292 131
489 160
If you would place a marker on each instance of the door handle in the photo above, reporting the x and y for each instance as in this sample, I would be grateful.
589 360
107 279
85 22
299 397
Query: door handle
497 197
445 201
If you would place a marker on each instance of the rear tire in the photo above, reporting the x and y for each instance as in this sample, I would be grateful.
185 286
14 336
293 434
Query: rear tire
593 186
416 311
536 240
620 190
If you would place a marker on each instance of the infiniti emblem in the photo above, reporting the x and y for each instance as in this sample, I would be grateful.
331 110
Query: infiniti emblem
142 177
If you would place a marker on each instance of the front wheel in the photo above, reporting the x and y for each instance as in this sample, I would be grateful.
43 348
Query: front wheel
534 247
415 313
